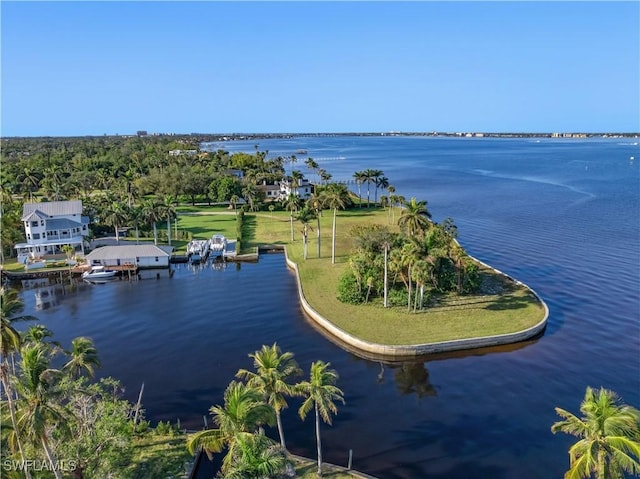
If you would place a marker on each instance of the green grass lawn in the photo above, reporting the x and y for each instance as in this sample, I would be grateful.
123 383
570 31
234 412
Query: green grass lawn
512 308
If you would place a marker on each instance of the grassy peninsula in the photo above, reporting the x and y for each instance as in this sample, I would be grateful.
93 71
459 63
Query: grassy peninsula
500 306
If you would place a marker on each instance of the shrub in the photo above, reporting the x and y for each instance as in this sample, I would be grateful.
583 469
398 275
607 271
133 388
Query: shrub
348 289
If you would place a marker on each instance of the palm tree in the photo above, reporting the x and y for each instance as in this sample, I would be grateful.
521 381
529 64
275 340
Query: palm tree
370 176
151 212
116 215
296 179
257 457
414 218
292 203
234 203
320 392
83 357
243 412
316 202
305 216
359 176
38 409
30 180
609 433
380 181
273 369
336 197
386 245
311 164
10 342
168 211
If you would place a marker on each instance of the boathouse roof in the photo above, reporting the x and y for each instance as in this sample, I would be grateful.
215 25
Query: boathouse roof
54 208
129 251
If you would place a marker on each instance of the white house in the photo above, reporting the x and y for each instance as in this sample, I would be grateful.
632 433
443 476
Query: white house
304 189
51 225
141 255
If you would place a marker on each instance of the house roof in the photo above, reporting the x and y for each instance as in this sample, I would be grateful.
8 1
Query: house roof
34 215
54 208
54 224
128 251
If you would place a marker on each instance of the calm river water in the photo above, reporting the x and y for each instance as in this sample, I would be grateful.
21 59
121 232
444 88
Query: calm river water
561 215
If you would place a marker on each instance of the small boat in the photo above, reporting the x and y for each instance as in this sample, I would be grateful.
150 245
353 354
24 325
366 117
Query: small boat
198 250
218 244
301 152
98 272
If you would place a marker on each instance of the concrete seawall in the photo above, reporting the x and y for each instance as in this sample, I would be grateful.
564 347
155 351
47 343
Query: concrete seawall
401 351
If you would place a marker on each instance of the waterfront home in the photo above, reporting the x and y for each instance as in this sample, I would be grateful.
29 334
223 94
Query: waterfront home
304 189
49 226
139 255
280 190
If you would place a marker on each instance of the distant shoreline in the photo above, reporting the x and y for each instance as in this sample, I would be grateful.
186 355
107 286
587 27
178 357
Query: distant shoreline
215 137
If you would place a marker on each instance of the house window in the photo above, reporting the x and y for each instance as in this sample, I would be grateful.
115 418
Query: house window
36 235
41 222
156 258
34 224
28 236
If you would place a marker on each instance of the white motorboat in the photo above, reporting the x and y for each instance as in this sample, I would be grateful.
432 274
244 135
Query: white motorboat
98 272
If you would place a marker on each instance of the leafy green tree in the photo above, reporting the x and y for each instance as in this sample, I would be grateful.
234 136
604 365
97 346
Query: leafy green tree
243 412
101 435
273 369
609 433
320 393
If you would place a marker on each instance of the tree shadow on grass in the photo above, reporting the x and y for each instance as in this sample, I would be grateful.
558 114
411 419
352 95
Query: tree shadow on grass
248 229
508 302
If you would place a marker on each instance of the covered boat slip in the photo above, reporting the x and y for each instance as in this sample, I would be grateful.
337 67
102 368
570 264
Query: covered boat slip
127 256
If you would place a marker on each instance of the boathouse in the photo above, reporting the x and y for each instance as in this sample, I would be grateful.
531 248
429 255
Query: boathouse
139 255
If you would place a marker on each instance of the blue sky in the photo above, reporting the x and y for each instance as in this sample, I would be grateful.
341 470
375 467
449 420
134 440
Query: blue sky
93 68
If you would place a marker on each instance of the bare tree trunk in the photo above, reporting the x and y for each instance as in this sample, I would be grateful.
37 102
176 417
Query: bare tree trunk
318 442
280 431
52 460
333 240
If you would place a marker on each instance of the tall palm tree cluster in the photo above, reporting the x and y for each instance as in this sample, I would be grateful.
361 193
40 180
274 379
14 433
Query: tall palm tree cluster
370 177
57 416
251 405
424 258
